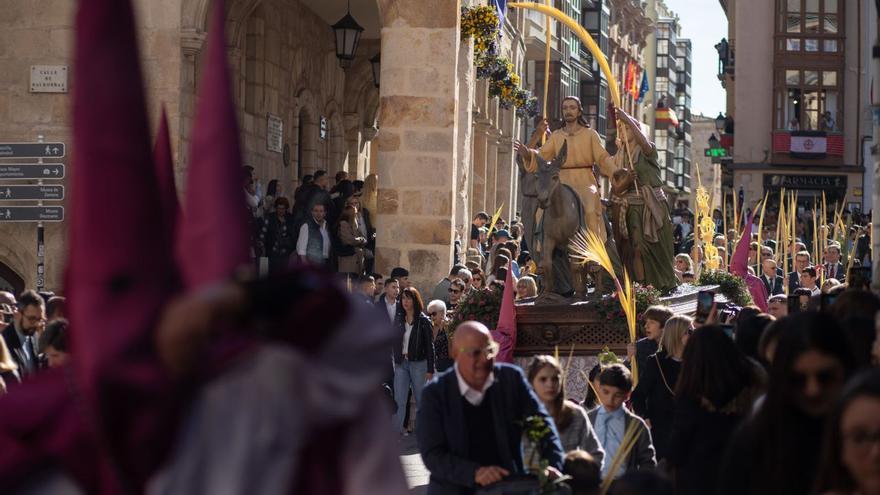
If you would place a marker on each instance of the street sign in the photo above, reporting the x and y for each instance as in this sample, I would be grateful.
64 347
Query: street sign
716 152
31 171
31 214
31 150
44 193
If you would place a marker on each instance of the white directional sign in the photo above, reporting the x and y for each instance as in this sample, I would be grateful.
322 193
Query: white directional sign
31 214
31 150
31 171
38 192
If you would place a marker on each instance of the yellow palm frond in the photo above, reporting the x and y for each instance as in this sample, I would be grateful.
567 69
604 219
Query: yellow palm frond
633 431
586 246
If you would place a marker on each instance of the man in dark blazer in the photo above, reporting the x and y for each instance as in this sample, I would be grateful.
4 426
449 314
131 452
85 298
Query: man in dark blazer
773 282
833 267
389 303
21 336
472 419
801 261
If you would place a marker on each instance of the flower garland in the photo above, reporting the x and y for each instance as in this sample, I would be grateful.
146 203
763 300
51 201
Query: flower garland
733 287
609 309
482 305
482 23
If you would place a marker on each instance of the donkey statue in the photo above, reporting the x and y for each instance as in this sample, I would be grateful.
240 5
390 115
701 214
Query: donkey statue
563 218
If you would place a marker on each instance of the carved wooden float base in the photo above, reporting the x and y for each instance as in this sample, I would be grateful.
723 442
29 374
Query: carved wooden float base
541 329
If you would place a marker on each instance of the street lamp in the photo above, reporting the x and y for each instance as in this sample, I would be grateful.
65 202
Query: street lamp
720 122
375 63
713 142
348 33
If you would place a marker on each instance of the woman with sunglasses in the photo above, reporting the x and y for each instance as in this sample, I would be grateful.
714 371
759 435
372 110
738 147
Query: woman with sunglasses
654 396
440 327
478 279
851 457
413 353
782 440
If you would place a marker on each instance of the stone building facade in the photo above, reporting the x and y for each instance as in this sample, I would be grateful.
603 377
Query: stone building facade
784 66
439 146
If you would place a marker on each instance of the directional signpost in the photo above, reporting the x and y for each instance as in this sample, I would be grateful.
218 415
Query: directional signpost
28 170
32 150
40 193
31 213
31 171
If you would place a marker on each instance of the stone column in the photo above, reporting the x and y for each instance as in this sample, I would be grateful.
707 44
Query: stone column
417 144
491 172
467 78
503 177
478 192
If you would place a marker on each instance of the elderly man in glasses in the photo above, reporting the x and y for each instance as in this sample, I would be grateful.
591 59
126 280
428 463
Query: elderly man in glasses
473 416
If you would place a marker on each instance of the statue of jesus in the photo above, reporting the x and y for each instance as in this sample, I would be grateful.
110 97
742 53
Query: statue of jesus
585 151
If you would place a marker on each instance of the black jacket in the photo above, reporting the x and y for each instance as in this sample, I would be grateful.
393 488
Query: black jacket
653 398
778 285
794 281
443 440
840 271
421 340
16 349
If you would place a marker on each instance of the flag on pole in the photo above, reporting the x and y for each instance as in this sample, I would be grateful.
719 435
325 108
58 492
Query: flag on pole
634 90
501 5
629 77
644 88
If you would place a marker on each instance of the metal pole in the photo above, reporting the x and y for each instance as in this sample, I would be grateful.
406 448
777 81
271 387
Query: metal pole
41 246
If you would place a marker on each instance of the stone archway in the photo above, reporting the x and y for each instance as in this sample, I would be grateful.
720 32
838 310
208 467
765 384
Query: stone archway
10 280
336 156
306 122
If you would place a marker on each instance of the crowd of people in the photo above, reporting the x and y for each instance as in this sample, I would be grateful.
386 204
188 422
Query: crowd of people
758 404
746 400
34 335
323 225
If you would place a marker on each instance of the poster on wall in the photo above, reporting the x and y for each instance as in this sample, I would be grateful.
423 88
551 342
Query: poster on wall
274 133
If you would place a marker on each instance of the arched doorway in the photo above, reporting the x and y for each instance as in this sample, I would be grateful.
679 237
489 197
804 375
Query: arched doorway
10 281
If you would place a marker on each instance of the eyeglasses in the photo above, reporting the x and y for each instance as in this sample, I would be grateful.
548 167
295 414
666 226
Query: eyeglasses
433 313
488 352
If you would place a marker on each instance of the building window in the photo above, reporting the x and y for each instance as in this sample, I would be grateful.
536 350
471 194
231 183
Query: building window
810 17
807 102
809 36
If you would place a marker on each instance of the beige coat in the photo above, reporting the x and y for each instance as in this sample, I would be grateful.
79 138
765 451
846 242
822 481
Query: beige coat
350 236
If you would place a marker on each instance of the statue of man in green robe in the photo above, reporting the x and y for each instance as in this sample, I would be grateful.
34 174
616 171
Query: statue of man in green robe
641 212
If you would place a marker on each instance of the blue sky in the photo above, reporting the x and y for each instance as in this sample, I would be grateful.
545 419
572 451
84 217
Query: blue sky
705 24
